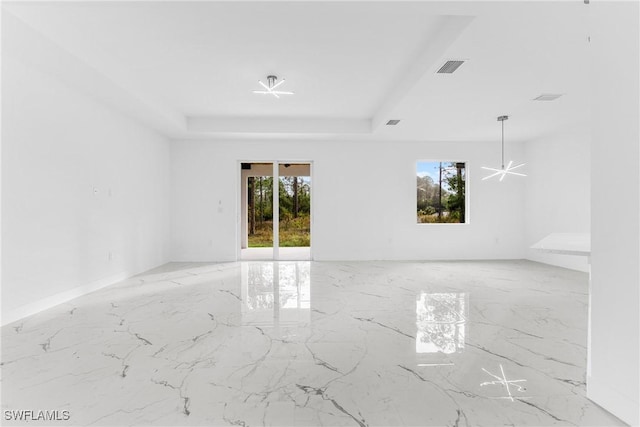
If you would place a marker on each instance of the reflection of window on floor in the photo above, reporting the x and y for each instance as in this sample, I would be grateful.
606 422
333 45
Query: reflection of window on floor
260 292
441 196
295 286
276 296
440 319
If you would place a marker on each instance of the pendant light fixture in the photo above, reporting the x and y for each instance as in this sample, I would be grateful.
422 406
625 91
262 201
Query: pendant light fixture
502 172
270 89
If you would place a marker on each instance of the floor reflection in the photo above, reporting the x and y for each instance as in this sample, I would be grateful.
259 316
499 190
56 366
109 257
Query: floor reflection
441 320
276 294
507 385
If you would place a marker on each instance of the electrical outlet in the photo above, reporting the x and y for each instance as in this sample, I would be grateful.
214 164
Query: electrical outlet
110 256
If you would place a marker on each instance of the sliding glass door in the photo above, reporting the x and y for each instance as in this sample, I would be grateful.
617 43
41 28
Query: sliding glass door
275 220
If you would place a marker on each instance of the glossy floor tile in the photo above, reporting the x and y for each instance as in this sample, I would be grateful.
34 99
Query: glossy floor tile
312 343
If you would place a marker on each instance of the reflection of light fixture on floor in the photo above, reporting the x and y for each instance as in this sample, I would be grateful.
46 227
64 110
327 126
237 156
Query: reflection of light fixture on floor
502 172
269 90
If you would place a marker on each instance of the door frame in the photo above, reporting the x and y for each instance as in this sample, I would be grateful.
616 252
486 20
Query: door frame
276 205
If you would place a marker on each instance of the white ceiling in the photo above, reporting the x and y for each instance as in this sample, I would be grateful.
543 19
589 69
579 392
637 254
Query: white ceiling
188 68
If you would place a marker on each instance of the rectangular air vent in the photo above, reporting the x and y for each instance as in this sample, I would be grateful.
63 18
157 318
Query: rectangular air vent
450 66
393 122
548 97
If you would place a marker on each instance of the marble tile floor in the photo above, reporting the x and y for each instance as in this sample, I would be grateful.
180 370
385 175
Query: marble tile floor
311 344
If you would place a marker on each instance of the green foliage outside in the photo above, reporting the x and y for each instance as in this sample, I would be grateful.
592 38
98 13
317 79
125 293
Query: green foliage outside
294 233
295 212
442 201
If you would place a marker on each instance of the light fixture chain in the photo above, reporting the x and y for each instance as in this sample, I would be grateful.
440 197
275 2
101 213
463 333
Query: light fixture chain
502 144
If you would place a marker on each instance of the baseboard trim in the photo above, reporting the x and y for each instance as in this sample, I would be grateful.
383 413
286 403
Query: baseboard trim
613 401
60 298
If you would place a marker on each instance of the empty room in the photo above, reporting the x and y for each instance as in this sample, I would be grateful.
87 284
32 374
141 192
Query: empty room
311 213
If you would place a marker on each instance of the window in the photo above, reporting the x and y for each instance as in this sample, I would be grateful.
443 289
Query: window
441 196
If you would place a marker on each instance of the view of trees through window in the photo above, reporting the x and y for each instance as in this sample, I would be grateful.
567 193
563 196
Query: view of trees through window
295 211
441 192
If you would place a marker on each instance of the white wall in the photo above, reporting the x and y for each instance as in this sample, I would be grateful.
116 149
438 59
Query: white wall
615 209
558 191
57 146
363 196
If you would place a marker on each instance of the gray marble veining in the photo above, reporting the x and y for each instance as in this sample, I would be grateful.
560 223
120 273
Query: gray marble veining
310 343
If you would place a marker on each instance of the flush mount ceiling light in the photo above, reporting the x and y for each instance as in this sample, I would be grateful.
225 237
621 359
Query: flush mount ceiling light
502 172
270 89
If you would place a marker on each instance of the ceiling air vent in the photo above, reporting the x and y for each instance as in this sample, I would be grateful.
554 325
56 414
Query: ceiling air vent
450 66
548 97
393 122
